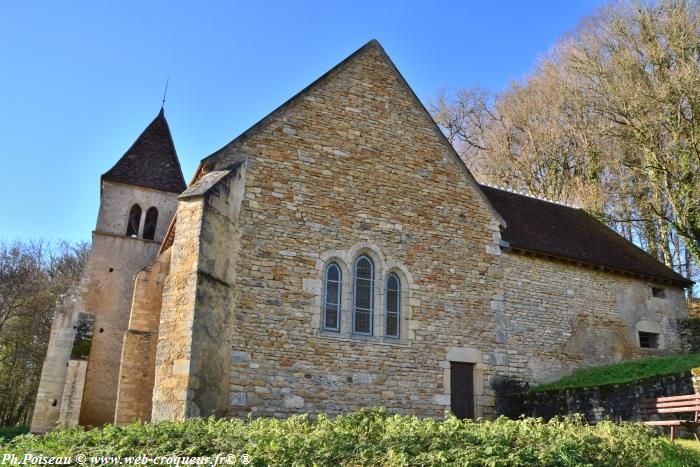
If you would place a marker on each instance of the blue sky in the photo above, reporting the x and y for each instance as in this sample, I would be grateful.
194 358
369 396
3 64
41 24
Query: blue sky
80 80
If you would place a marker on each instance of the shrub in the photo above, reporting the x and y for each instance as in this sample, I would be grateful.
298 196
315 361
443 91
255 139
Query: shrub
374 437
9 432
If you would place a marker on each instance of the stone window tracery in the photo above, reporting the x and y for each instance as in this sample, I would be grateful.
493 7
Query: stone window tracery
362 295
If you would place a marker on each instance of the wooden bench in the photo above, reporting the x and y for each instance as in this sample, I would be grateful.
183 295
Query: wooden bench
689 404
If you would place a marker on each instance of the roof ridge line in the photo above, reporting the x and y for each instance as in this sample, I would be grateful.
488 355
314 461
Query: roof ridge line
531 196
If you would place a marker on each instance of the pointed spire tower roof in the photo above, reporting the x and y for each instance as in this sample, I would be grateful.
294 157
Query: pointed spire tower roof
150 162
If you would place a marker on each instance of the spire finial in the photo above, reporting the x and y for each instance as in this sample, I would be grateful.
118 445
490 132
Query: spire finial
165 92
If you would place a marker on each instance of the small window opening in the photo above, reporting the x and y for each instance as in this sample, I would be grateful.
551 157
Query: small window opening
393 305
132 228
648 340
149 228
658 292
102 330
363 296
331 302
54 403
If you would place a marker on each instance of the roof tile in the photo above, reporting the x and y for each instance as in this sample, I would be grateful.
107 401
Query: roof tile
150 162
551 229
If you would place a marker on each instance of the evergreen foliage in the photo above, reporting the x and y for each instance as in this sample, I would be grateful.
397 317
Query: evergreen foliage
374 437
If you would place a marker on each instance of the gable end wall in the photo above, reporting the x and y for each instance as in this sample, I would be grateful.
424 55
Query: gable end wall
355 165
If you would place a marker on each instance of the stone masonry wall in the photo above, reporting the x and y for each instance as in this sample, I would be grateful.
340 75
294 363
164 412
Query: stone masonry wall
136 375
137 370
208 344
171 394
114 262
105 292
73 392
617 402
561 317
55 368
60 391
117 200
690 334
72 397
356 166
115 259
216 295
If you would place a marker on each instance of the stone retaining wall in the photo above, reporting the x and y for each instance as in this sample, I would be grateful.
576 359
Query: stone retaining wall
615 402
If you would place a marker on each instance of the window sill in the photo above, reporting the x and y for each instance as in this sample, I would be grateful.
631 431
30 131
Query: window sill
379 340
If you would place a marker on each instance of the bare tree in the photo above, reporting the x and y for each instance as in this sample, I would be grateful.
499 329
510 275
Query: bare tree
21 280
33 275
608 120
639 66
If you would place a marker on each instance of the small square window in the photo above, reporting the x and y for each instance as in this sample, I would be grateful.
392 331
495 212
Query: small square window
648 340
658 292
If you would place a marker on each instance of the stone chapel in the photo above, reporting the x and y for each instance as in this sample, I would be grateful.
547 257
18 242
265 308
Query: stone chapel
337 255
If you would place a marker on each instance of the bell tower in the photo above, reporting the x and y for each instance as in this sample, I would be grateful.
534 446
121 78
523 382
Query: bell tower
138 199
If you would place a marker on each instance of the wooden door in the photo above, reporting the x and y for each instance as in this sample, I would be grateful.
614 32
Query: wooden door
462 389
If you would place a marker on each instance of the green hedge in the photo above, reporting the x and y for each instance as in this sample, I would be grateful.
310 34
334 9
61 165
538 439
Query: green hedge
9 432
373 437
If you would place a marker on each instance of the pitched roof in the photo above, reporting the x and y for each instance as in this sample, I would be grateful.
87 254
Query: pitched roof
150 162
554 230
204 183
209 181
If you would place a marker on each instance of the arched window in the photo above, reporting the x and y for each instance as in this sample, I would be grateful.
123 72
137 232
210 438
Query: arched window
363 296
331 298
149 228
393 305
132 227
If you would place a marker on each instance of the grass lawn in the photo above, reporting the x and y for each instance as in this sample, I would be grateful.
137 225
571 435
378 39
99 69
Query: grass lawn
690 444
625 372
